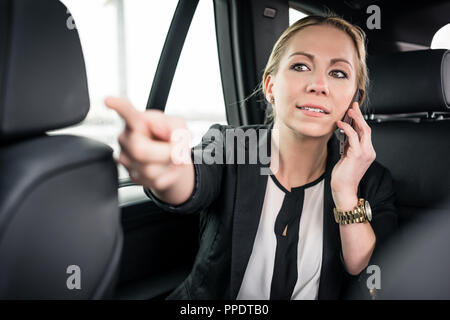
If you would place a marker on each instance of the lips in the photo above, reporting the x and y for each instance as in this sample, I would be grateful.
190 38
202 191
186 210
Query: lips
314 106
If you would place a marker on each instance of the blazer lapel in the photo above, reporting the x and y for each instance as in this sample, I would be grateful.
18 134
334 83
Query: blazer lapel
329 288
251 187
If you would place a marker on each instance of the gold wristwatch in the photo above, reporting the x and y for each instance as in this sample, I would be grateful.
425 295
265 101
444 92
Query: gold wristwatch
361 213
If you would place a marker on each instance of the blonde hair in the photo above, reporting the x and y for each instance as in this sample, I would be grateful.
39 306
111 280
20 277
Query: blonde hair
356 34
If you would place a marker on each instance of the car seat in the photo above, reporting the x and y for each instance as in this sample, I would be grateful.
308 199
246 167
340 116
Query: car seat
410 105
60 233
409 99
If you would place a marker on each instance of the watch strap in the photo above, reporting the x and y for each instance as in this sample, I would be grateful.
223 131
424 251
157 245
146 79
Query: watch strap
357 215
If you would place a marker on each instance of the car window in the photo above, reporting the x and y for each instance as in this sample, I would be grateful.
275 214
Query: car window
196 93
122 42
295 15
441 39
97 25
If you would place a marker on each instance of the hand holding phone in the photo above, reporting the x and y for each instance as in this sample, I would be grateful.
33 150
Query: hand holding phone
343 139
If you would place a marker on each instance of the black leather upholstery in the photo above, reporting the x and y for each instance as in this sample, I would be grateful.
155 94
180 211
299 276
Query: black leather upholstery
416 265
408 82
416 152
58 194
42 87
418 155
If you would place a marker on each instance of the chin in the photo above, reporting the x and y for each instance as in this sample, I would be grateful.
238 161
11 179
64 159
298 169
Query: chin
314 130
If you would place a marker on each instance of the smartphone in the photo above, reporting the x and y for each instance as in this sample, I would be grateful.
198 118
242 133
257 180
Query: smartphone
343 139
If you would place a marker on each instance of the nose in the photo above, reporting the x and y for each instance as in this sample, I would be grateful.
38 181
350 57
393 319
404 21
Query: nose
318 86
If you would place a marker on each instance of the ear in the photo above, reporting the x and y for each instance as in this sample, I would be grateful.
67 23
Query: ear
268 87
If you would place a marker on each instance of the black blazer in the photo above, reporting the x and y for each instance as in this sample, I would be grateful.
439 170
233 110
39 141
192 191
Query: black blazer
230 197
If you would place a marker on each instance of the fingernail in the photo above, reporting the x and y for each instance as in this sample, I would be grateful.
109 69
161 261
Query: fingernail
107 100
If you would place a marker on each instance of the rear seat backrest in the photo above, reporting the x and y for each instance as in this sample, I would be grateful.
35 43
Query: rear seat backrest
415 150
58 194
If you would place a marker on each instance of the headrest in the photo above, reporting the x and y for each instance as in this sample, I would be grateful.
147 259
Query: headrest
43 83
409 82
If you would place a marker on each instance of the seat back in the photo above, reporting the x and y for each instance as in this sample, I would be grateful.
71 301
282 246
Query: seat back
60 233
410 94
410 97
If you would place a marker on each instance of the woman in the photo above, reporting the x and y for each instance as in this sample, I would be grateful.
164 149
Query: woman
288 235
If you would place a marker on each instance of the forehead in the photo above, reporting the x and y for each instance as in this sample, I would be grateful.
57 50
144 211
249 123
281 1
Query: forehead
324 42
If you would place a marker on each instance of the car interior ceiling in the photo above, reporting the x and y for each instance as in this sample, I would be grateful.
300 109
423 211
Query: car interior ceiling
413 22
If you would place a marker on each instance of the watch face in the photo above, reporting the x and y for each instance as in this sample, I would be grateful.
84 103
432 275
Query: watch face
368 210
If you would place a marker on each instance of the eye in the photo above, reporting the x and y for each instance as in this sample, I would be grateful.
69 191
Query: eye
299 67
338 74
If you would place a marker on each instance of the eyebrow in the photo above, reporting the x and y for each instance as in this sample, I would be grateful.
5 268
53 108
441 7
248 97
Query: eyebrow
311 57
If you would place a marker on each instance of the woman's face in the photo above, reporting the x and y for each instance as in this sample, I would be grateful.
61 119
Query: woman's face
318 70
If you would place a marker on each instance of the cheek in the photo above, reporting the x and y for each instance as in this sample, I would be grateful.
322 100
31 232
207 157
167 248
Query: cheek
288 90
342 105
343 100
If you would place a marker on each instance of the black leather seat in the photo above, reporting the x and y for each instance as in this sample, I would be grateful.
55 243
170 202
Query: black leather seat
411 91
58 194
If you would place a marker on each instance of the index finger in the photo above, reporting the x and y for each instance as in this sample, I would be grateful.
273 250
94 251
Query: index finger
357 109
358 113
125 109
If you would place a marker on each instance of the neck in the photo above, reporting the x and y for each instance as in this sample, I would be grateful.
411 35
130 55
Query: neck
302 159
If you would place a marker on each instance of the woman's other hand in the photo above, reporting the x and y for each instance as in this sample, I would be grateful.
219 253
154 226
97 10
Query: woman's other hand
155 151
